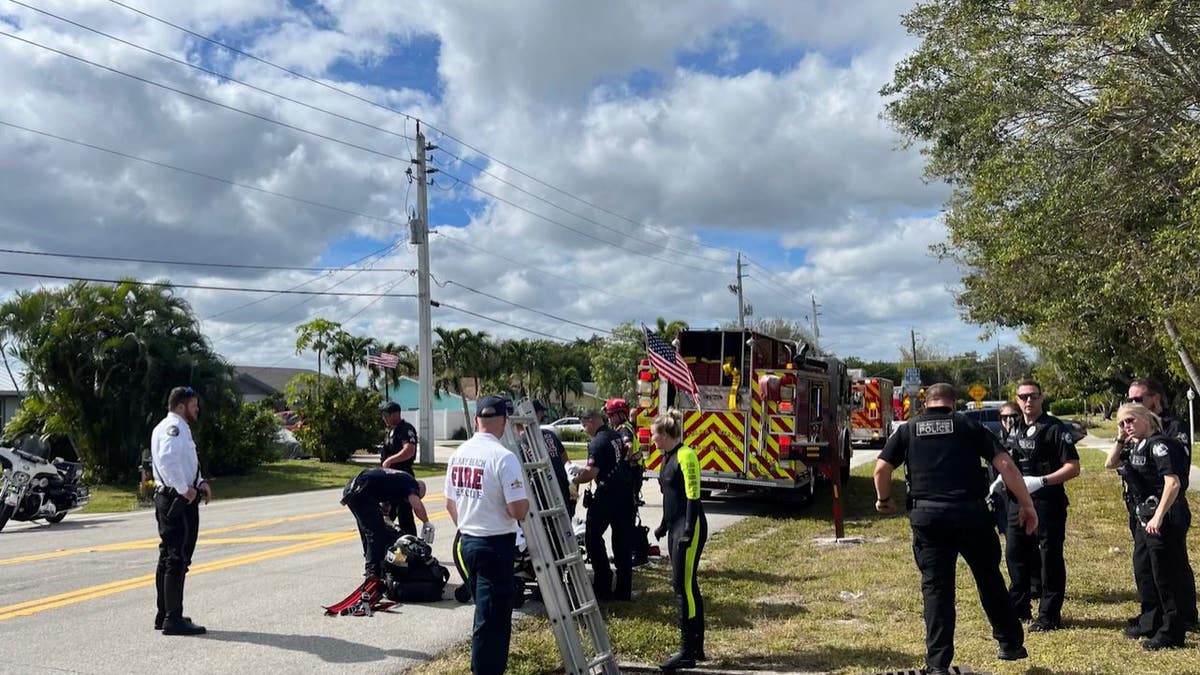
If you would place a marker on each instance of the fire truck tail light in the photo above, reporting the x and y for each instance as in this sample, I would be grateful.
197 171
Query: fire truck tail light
785 446
643 401
643 435
644 376
644 362
785 406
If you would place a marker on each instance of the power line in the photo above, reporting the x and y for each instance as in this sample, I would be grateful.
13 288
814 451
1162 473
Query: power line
501 322
199 174
381 106
187 263
205 287
198 97
451 282
380 252
214 73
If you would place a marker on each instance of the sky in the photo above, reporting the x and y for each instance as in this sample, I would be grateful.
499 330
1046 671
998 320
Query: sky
597 162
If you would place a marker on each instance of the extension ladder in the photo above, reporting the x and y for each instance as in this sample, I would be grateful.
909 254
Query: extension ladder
558 563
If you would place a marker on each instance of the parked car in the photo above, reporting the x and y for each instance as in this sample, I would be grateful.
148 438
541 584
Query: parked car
289 419
988 417
564 424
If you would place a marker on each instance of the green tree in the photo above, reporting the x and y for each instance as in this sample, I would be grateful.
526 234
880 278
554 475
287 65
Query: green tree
669 330
100 360
1068 130
317 335
614 361
348 351
456 356
345 419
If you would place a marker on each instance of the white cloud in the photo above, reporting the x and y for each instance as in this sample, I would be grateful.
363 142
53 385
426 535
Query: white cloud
795 151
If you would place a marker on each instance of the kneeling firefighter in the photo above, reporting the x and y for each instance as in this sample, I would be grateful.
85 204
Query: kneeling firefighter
367 495
686 529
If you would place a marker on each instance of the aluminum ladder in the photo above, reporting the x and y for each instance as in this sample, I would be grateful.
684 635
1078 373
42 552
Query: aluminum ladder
558 563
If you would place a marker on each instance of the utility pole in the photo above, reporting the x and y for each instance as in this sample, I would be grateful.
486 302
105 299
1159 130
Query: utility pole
420 237
816 328
999 384
913 332
737 290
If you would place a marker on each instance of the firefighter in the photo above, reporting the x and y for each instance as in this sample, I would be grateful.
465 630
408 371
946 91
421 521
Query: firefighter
1150 394
942 450
1045 453
1155 468
558 458
618 419
610 506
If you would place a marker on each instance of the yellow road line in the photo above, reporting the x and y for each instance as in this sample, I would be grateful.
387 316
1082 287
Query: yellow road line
30 607
153 543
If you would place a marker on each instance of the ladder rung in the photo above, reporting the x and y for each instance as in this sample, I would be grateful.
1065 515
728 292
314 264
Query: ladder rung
551 512
569 560
591 606
600 660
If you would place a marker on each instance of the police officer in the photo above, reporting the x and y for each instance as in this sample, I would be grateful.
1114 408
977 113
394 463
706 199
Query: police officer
399 451
943 450
367 494
558 458
1150 394
1044 449
486 497
611 506
176 507
1155 470
686 527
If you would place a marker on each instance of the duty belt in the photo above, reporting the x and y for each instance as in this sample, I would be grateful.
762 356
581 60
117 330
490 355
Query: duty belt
961 503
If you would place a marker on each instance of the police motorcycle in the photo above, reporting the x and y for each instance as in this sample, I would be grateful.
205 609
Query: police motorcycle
33 488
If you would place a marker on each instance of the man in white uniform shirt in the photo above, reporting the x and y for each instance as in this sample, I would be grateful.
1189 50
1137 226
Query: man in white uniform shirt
176 507
485 496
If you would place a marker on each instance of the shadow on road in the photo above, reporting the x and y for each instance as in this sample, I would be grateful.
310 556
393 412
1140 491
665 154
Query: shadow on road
330 650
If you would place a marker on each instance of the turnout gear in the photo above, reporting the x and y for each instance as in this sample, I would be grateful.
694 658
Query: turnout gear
611 506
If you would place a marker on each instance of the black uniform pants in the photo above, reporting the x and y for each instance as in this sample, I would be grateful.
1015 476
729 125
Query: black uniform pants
1038 555
373 530
685 563
1161 557
178 525
942 532
489 561
611 508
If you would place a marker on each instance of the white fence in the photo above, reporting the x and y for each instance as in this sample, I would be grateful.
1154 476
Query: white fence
445 423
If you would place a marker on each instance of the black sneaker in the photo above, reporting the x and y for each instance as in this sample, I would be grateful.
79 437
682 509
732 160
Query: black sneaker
1044 626
935 670
1012 653
182 626
679 659
1155 644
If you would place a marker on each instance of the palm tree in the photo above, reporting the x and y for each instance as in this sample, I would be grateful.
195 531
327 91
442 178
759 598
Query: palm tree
318 336
390 377
348 351
566 379
669 330
455 356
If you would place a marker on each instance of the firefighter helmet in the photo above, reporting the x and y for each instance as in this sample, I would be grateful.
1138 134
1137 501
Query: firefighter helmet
614 406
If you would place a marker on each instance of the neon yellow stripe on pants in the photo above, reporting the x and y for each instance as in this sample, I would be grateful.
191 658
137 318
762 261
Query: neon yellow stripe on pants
689 570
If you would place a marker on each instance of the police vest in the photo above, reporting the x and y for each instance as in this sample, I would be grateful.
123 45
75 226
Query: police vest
943 458
1038 448
1143 468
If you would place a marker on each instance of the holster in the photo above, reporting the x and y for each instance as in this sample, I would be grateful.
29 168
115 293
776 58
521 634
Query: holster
1146 509
587 498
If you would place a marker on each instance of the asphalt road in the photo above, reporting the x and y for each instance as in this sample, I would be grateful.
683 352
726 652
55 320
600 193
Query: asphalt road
78 597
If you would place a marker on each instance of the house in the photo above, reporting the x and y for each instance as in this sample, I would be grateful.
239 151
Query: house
257 383
408 394
10 403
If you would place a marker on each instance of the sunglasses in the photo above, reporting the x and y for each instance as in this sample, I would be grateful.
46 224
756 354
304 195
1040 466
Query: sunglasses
1009 417
1029 397
1135 399
1127 422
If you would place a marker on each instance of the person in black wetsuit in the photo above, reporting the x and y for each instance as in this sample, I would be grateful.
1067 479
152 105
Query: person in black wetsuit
686 528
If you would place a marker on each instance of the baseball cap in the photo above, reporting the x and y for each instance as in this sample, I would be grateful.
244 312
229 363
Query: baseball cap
493 406
389 408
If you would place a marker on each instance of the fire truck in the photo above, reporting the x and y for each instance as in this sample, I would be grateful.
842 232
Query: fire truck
872 409
769 415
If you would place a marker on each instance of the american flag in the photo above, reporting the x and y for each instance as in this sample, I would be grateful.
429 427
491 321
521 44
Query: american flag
667 361
381 359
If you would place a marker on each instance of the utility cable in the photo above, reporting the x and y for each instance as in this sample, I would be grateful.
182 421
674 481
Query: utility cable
199 174
501 322
451 282
205 287
188 263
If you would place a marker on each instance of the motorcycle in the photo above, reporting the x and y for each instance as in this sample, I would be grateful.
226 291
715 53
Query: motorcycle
33 488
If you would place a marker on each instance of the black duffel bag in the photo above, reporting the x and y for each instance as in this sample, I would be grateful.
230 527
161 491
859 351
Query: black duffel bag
412 574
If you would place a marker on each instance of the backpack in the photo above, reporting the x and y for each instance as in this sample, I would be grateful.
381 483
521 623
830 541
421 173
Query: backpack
411 573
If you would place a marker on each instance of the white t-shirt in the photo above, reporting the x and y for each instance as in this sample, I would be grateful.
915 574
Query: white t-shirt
482 478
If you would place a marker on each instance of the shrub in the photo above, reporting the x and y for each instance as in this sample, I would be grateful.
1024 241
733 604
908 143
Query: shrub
1066 406
572 436
347 418
236 438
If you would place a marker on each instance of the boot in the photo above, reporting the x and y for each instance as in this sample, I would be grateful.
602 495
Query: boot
686 656
698 642
173 621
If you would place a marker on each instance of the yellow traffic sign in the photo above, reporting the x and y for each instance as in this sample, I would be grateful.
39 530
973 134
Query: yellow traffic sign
977 391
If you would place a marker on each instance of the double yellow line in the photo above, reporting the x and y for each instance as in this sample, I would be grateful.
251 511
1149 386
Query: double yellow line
317 541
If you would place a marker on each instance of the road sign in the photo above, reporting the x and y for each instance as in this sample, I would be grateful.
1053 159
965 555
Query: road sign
977 392
912 376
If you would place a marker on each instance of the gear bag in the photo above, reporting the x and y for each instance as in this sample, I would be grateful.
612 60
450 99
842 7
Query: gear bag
412 574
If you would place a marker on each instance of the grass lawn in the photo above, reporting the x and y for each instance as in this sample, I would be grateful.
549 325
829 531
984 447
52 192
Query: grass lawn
775 599
272 478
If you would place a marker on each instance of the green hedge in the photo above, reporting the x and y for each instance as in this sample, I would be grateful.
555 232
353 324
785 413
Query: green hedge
1066 406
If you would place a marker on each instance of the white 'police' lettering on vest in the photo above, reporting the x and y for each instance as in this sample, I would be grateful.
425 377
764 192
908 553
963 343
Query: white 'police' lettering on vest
935 427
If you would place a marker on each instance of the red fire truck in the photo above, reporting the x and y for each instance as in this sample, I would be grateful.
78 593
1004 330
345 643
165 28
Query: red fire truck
871 409
770 416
